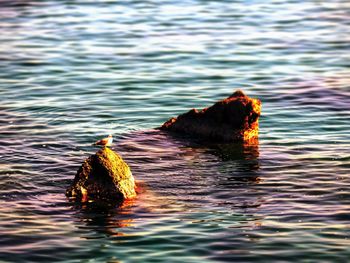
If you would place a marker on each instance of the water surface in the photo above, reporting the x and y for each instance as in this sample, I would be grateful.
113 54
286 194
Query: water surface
74 71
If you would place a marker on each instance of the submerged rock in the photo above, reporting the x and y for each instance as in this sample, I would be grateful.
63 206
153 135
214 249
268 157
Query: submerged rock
103 176
234 119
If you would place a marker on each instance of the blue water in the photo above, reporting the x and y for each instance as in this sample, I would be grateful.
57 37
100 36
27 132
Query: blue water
72 72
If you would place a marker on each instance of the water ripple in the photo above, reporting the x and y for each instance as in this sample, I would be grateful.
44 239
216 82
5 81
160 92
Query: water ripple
72 72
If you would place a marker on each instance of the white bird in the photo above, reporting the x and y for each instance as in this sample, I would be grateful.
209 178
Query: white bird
105 141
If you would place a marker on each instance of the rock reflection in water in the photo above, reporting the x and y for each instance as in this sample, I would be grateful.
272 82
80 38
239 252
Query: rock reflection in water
105 219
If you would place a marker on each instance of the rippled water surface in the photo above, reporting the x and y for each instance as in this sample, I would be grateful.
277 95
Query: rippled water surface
74 71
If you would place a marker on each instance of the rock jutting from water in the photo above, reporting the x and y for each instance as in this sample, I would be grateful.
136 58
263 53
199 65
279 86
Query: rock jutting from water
103 176
234 119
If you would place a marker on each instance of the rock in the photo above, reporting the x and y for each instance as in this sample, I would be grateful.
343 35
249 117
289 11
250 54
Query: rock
234 119
103 176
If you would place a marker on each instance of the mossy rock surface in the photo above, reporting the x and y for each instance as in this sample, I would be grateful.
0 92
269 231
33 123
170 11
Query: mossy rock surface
103 176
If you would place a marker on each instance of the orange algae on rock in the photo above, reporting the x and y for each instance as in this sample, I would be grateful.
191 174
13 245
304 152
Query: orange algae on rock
234 119
103 176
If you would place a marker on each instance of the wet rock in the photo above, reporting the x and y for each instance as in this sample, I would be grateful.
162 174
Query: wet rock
234 119
103 176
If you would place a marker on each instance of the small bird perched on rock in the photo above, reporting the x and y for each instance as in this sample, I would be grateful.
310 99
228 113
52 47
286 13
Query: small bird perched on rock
105 141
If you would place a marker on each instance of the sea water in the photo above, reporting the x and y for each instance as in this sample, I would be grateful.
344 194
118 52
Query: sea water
71 72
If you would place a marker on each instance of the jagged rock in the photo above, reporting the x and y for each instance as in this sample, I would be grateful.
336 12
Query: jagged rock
103 176
234 119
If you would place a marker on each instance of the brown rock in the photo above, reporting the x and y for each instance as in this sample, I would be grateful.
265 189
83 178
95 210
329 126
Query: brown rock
103 176
234 119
